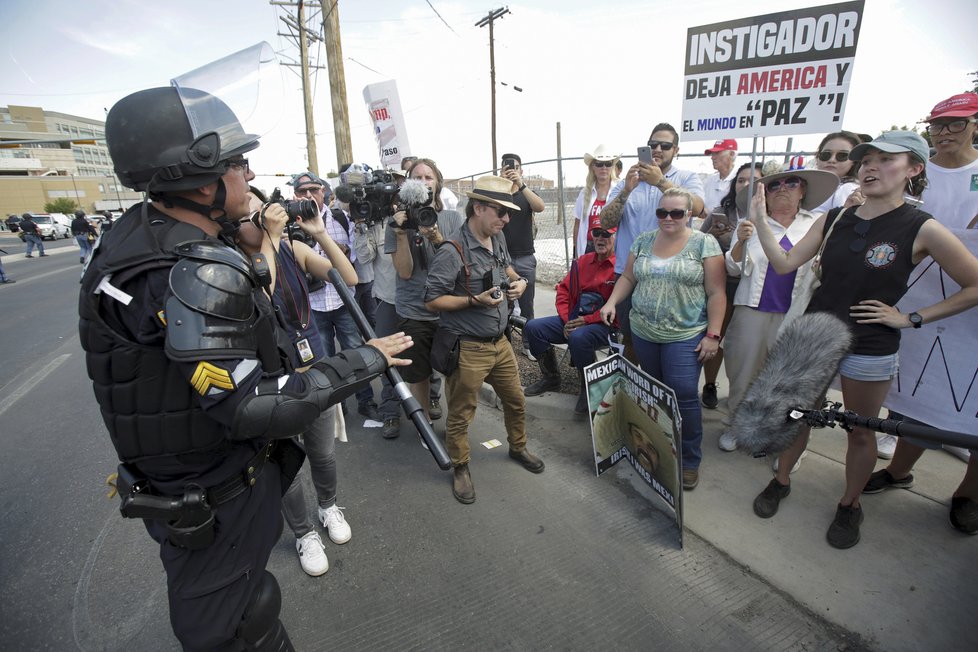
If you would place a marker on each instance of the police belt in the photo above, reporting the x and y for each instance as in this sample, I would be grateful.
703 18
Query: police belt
189 518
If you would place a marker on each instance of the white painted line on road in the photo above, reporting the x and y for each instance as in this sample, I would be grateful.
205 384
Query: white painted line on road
30 383
21 280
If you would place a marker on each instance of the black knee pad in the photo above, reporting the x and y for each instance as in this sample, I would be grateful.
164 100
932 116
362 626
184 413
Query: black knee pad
260 627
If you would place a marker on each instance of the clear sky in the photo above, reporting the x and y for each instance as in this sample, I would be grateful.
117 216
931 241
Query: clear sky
606 71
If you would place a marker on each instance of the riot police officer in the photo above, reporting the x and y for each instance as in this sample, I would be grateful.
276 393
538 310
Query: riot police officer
187 363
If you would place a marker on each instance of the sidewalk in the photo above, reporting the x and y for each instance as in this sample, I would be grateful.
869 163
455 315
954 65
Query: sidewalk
911 582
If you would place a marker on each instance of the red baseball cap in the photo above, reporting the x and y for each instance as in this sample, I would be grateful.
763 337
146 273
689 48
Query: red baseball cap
957 106
728 145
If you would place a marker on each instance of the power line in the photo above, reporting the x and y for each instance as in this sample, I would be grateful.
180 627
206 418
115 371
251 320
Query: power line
440 18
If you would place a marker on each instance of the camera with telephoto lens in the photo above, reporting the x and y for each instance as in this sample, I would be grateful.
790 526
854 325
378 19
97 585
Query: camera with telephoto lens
305 209
370 193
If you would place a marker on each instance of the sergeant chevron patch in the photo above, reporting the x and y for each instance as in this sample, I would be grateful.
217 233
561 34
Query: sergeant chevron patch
208 376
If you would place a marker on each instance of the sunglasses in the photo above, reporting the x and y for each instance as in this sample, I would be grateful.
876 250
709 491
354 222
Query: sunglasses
790 183
241 163
602 164
664 145
840 157
953 126
859 244
600 233
674 214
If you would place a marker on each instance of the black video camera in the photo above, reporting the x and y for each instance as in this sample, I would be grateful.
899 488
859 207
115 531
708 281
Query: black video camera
371 195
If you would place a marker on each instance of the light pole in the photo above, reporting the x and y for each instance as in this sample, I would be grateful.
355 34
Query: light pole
488 20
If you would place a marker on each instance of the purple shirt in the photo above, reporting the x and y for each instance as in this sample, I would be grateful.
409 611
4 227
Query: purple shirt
776 295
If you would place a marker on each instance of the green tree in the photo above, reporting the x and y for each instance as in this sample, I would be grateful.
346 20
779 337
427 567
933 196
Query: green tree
61 205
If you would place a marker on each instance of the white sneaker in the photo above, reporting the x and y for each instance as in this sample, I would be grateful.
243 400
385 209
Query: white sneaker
960 453
312 554
727 442
526 352
335 523
794 468
885 446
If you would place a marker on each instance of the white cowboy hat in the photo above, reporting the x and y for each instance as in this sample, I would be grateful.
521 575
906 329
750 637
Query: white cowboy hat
495 190
819 186
600 153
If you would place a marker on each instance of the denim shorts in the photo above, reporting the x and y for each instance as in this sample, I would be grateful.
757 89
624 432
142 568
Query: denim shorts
870 367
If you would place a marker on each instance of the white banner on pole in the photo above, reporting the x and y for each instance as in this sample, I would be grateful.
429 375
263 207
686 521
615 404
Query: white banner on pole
938 380
386 115
774 75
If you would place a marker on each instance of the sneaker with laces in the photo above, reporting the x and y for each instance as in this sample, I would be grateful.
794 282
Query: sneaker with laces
964 514
312 554
710 399
434 409
766 503
727 442
885 446
882 480
691 478
844 531
335 523
795 467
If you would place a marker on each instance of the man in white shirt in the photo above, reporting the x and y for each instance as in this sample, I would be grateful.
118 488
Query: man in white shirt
717 185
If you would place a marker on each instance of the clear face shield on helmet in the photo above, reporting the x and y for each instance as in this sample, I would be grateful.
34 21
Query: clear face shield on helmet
249 86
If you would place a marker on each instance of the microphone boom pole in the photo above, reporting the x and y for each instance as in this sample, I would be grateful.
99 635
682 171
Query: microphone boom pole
410 404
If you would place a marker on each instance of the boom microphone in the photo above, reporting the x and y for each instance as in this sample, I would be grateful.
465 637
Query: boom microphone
345 193
799 369
414 192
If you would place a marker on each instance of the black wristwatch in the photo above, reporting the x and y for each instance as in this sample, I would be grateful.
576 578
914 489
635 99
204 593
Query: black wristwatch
916 320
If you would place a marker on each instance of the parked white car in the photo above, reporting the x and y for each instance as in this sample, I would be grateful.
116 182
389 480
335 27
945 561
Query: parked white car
52 227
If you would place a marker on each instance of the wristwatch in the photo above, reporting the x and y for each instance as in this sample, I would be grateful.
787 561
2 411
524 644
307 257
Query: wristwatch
916 320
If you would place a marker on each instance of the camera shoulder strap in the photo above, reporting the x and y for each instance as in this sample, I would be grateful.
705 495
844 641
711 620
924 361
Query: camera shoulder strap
465 265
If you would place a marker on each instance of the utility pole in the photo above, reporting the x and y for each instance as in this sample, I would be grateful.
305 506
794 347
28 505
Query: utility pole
306 93
488 20
337 82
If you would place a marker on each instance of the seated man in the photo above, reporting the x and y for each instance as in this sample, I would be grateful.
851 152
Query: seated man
579 296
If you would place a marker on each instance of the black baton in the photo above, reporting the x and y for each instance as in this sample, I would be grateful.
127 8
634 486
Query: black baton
410 404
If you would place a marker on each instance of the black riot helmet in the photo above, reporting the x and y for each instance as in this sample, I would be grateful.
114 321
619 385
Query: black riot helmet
165 139
79 213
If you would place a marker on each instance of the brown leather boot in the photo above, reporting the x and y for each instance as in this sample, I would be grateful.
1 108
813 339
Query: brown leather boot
462 487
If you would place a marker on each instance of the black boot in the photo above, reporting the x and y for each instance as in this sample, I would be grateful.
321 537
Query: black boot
582 406
551 375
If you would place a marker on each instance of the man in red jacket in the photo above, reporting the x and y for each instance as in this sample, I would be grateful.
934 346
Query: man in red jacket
579 296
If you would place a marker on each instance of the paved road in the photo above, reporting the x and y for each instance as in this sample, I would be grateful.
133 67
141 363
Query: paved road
562 560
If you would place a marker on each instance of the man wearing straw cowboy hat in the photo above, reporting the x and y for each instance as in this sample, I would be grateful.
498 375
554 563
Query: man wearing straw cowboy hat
471 282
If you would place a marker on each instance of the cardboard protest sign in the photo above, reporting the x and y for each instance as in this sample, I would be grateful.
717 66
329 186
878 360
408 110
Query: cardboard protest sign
773 75
636 418
384 106
936 383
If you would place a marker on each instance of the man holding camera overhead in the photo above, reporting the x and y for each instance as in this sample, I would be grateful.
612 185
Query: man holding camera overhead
470 282
519 231
332 317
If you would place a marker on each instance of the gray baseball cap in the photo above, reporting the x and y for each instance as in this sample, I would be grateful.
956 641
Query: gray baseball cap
894 142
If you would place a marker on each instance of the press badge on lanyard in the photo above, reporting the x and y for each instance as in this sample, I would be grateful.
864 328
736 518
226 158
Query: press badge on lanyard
304 350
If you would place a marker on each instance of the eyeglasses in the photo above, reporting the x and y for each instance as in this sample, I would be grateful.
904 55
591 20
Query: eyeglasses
664 145
500 210
789 182
859 244
840 157
600 233
674 214
602 164
953 126
308 190
241 163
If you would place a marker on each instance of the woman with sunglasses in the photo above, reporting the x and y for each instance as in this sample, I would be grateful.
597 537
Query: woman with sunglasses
601 172
866 263
721 223
763 296
675 278
833 156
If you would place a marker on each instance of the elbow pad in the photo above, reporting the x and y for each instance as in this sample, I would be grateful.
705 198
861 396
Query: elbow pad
272 412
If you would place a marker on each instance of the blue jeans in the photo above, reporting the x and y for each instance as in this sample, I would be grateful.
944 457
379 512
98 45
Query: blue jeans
34 241
84 245
541 333
676 365
339 324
